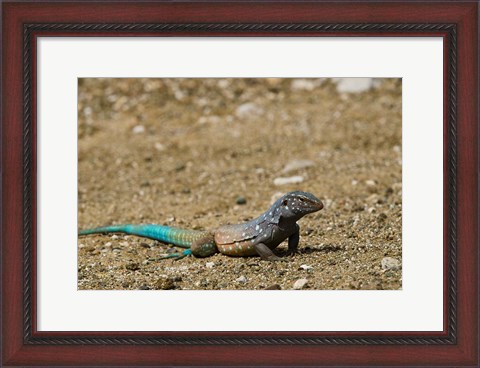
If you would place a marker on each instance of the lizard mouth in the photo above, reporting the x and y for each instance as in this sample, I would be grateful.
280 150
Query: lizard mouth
313 206
317 206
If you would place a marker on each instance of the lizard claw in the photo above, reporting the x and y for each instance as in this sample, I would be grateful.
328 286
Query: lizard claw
176 256
292 253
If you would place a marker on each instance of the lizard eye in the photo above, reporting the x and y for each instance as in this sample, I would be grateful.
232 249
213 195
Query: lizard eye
302 200
285 202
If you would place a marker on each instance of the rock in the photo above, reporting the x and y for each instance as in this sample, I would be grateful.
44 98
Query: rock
209 264
159 146
212 119
89 248
381 217
180 167
371 285
370 183
138 129
144 287
300 284
242 280
303 85
391 264
248 110
241 200
165 284
274 287
132 266
373 198
145 245
354 85
288 180
297 165
306 268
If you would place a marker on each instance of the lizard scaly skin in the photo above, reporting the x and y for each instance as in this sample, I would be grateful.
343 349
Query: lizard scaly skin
256 237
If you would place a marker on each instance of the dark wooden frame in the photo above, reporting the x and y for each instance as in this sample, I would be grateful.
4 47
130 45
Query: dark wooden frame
455 22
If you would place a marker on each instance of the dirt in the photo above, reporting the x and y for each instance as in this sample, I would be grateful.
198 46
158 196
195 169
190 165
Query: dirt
198 153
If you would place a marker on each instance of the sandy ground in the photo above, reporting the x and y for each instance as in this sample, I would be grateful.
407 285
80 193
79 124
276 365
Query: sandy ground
198 153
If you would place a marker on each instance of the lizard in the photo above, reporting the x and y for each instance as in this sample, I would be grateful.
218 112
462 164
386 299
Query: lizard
256 237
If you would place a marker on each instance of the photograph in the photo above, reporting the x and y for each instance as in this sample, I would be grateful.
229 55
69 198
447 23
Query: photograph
239 184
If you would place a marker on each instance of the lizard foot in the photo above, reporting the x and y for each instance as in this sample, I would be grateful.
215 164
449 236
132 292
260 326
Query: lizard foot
291 253
176 256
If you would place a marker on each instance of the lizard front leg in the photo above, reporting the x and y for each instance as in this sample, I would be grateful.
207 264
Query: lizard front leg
293 241
266 253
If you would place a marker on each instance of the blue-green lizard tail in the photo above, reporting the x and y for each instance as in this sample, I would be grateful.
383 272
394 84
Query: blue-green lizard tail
166 234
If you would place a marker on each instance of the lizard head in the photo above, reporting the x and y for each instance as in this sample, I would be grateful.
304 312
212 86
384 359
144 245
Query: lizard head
298 204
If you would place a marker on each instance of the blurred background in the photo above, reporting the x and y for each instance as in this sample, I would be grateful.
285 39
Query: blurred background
199 153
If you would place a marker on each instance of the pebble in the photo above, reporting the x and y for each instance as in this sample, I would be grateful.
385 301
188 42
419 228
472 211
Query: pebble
370 183
248 110
297 165
241 200
165 284
138 129
212 119
381 217
159 147
209 264
373 198
300 284
274 287
354 85
132 266
306 267
303 85
389 263
242 279
288 180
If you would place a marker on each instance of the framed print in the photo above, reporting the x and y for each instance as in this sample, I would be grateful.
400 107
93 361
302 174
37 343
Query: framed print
240 183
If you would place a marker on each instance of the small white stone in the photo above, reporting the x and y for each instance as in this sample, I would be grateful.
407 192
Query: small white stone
303 85
138 129
354 85
159 147
297 165
209 264
242 279
288 180
248 110
389 263
306 267
300 284
370 183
